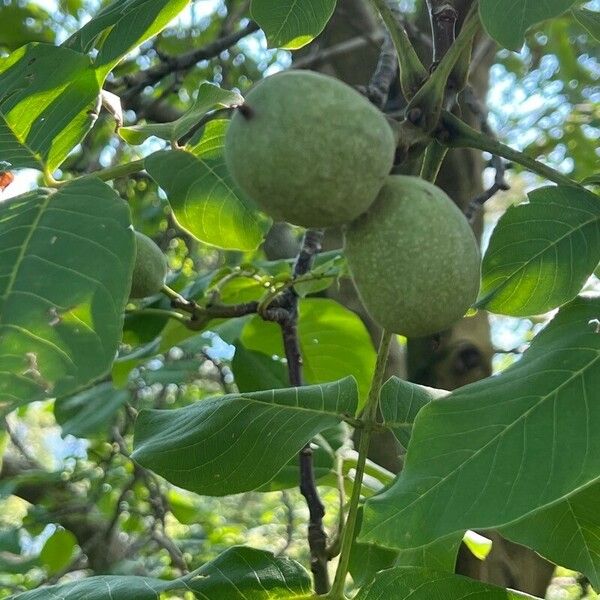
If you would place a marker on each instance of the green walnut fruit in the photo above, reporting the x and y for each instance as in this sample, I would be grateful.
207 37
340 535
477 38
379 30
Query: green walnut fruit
150 268
308 149
414 258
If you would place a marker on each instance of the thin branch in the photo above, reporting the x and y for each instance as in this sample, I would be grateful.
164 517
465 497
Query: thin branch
387 69
225 374
182 63
289 526
500 183
175 554
318 58
412 71
20 446
284 311
158 503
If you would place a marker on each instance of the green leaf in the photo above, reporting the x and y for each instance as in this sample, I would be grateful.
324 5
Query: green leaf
240 572
401 401
202 195
507 22
21 25
66 258
403 583
90 412
567 533
592 180
58 551
48 102
324 460
291 24
110 587
209 97
239 442
184 506
494 452
326 331
590 21
542 252
367 559
243 572
254 371
122 26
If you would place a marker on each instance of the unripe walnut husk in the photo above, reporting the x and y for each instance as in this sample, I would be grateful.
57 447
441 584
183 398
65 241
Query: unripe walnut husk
414 258
150 268
309 149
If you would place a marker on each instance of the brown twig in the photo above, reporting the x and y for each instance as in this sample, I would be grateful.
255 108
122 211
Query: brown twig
496 162
289 525
158 503
225 374
284 311
386 71
168 65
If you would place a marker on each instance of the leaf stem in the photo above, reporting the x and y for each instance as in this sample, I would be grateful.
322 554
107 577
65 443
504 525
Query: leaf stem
412 71
434 157
425 108
455 133
369 418
159 312
118 171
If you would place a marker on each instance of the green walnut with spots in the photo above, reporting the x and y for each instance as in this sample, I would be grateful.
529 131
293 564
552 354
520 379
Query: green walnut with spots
414 258
308 149
150 268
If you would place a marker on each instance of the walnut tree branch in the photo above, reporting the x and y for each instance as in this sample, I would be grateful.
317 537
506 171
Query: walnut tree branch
387 69
181 63
496 162
284 311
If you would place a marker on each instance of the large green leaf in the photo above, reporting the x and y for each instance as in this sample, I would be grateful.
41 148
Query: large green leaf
292 24
404 583
508 20
209 96
91 411
542 252
333 340
324 462
66 258
204 199
239 442
401 401
503 448
567 533
240 572
122 26
590 20
48 102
